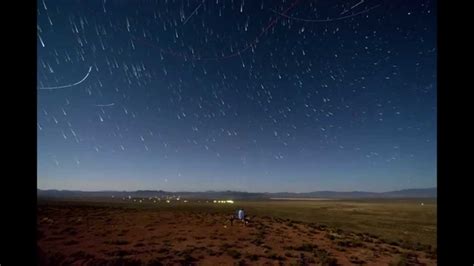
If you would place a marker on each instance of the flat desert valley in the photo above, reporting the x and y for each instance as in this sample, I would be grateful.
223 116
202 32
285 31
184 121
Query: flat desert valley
280 232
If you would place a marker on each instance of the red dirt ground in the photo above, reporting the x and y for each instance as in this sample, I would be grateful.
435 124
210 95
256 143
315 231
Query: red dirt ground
86 235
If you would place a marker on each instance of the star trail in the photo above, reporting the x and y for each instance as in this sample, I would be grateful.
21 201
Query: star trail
287 95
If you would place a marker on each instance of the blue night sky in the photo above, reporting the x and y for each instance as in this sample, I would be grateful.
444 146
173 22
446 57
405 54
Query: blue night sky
262 95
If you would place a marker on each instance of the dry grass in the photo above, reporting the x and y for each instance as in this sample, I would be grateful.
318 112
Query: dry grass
401 222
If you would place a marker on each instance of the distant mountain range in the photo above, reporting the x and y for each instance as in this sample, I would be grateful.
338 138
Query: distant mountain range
406 193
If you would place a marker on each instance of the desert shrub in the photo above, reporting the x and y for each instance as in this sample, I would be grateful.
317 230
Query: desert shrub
71 242
242 262
69 231
405 259
124 261
306 247
420 247
253 257
356 260
185 253
369 240
303 260
258 241
155 262
188 259
225 246
119 253
394 243
163 250
235 254
328 261
324 258
350 243
56 259
399 261
117 242
275 256
343 243
53 238
211 252
432 253
79 254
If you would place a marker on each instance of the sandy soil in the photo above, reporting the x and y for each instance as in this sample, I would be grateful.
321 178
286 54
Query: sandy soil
73 235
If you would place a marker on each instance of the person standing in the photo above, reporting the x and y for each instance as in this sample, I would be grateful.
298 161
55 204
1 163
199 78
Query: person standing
241 215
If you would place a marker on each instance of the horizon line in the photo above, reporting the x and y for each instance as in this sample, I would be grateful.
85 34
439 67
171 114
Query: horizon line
228 190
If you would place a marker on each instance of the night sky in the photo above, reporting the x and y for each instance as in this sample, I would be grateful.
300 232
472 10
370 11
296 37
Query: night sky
248 95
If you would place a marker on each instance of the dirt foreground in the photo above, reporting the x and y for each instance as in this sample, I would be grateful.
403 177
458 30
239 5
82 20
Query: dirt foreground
88 235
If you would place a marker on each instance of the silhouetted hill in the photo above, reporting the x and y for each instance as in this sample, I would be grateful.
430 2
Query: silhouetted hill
406 193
